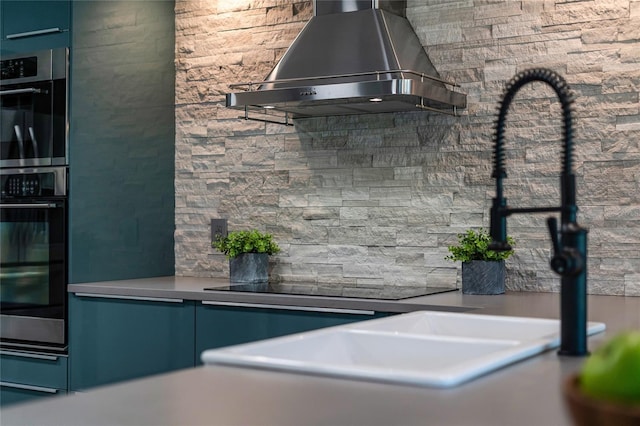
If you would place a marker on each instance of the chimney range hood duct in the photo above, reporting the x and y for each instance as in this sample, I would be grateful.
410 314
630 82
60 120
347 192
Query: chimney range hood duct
352 57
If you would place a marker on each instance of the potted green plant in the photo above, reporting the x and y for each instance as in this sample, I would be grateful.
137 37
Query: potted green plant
483 270
248 253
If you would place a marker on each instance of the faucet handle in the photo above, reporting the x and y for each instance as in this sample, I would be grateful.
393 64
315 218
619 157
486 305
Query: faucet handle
552 225
558 262
564 261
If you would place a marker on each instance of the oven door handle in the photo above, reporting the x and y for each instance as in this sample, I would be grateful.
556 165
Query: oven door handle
20 91
29 206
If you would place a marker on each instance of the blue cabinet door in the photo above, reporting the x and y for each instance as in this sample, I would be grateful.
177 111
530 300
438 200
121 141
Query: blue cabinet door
35 25
26 376
218 325
114 339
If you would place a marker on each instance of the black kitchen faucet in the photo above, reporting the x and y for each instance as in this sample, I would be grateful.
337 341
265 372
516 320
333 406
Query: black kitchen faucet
569 258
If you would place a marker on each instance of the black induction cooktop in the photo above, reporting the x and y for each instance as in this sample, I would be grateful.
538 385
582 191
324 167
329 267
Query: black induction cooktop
391 292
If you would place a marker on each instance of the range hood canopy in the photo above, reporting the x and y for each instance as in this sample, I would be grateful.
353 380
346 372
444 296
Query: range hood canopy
352 57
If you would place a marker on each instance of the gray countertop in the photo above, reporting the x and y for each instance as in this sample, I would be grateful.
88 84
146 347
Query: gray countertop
192 288
526 393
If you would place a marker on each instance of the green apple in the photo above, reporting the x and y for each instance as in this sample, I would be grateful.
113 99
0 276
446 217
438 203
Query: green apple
612 372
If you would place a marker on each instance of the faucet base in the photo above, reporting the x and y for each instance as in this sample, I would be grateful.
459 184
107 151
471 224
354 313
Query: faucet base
573 296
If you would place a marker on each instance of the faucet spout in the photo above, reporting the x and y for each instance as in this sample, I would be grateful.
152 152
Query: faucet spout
569 258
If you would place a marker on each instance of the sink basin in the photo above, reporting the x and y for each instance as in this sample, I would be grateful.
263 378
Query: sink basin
433 349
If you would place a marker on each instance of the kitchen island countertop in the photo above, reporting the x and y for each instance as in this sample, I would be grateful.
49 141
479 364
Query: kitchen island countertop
525 393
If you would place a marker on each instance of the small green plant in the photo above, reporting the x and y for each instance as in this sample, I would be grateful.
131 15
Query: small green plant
238 242
474 245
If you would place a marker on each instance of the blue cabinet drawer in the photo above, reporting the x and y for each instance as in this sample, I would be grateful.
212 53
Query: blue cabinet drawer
35 369
11 393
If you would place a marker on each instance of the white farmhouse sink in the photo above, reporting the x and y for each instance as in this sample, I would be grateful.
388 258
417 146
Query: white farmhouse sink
468 325
433 349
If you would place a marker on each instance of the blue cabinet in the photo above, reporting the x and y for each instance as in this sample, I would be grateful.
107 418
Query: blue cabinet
222 324
122 141
26 376
35 25
116 339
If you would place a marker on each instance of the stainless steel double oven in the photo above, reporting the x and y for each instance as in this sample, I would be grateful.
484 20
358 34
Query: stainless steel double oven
34 224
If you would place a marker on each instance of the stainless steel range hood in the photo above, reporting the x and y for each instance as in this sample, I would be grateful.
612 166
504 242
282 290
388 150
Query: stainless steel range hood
352 57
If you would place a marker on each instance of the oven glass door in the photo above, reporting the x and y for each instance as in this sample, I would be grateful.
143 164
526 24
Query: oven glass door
33 130
33 271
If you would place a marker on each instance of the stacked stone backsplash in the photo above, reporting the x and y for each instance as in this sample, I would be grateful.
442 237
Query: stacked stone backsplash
376 199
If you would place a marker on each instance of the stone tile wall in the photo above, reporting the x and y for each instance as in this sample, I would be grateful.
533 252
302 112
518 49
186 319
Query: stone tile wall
376 199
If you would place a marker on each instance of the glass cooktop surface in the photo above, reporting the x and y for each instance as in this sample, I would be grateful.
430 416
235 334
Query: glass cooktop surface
391 292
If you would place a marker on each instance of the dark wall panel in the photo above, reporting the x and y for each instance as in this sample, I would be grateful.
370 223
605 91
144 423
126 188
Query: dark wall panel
122 140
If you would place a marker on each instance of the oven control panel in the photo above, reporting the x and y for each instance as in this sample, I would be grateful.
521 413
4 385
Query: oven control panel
33 183
19 68
21 186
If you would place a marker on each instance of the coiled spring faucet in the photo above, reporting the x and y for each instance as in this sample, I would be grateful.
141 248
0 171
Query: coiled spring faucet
569 258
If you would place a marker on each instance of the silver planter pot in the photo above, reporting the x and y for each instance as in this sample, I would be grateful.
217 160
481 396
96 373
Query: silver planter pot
249 268
483 277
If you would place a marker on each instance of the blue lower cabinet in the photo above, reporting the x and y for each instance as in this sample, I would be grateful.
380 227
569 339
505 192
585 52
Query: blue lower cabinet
112 339
219 325
26 376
